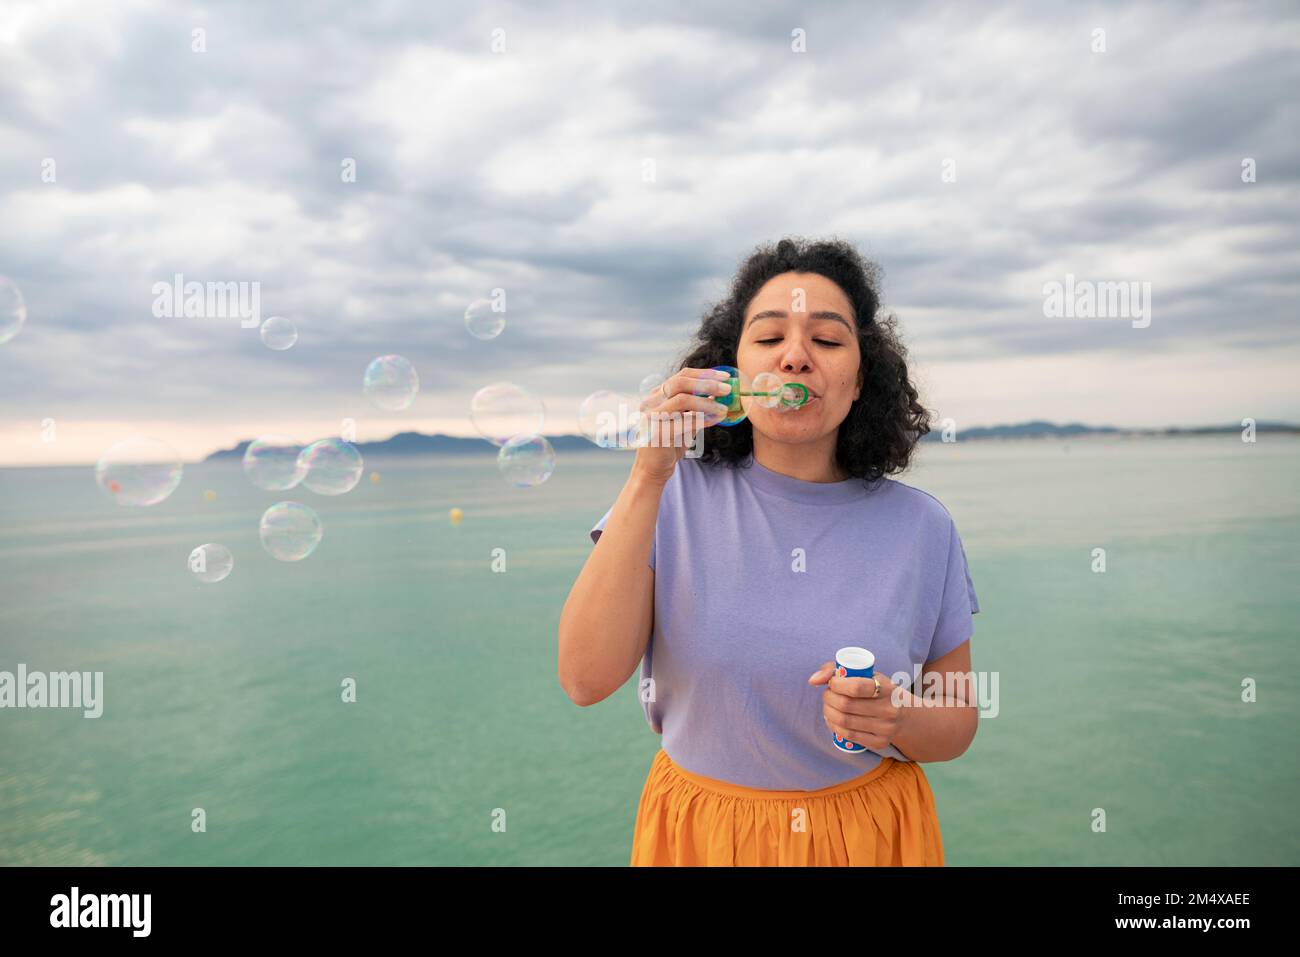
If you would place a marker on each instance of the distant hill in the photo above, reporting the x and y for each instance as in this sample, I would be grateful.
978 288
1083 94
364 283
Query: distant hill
417 443
1025 430
1039 428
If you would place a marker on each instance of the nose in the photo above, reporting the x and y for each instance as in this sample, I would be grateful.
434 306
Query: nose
795 357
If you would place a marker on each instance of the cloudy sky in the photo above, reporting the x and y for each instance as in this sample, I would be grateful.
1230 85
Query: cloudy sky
975 155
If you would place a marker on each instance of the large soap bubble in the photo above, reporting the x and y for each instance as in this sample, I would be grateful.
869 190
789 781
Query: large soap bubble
331 467
526 460
503 410
483 321
139 471
13 311
211 563
290 531
272 462
612 420
391 383
279 333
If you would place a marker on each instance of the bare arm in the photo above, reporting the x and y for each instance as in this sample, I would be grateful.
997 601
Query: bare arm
944 730
609 614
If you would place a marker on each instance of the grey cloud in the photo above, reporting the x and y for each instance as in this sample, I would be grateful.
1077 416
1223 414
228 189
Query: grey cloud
1058 162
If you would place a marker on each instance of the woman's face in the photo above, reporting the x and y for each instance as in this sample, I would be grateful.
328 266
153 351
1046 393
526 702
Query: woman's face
801 327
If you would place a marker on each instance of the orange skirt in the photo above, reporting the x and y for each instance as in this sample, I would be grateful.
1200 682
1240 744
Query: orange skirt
885 817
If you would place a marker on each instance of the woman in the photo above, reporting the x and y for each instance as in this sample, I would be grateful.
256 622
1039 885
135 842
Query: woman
730 574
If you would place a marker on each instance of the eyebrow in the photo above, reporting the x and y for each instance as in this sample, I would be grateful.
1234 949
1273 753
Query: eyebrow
782 314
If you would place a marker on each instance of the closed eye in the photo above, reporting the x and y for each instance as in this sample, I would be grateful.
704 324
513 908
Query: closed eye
763 342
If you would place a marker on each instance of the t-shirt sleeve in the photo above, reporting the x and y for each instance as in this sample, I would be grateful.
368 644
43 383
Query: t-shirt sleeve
600 527
959 602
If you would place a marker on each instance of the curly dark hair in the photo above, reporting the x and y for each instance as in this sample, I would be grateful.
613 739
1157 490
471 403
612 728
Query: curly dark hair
886 421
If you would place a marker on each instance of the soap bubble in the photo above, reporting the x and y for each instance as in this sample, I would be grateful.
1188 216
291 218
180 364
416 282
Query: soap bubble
331 467
211 563
612 420
139 471
740 382
272 462
483 321
374 478
290 531
279 333
793 396
650 385
502 410
209 495
526 460
455 515
770 383
782 396
391 383
13 311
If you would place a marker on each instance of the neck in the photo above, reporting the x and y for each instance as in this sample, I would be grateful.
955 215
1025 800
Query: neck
810 462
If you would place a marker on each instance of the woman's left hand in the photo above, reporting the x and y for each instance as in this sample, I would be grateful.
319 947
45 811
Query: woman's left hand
849 708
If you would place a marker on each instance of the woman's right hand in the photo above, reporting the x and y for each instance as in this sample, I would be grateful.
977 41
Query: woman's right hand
682 406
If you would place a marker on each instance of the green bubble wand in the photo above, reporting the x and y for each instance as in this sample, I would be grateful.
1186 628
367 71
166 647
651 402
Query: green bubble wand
793 394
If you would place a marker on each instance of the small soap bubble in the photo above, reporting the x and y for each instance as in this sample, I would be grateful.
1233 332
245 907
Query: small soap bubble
331 467
391 383
769 383
793 396
503 410
290 531
526 460
139 471
374 478
455 515
650 385
279 333
611 420
273 462
211 563
209 495
483 321
13 311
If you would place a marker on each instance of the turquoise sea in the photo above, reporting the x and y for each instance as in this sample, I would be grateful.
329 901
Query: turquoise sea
1120 690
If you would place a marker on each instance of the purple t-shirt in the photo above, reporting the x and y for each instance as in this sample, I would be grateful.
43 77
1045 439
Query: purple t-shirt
759 579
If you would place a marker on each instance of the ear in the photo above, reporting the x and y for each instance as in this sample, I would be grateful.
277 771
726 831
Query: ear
862 377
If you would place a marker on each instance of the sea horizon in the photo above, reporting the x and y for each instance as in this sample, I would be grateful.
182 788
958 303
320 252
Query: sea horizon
577 443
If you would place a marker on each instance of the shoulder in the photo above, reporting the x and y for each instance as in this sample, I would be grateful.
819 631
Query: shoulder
699 488
696 472
914 504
